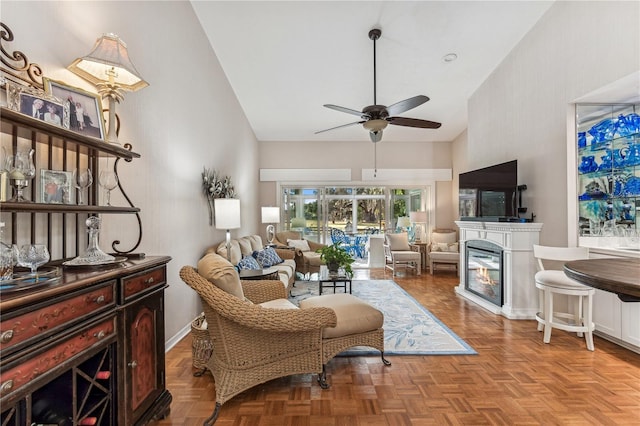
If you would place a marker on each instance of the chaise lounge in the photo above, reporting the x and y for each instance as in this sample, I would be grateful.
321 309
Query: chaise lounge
258 335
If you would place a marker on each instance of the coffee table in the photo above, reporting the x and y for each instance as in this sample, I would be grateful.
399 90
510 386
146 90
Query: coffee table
327 279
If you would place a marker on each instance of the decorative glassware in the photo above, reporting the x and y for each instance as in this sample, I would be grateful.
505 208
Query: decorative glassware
94 255
82 179
33 256
108 180
21 171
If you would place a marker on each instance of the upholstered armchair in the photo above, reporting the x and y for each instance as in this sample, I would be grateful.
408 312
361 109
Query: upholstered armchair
307 260
398 252
443 249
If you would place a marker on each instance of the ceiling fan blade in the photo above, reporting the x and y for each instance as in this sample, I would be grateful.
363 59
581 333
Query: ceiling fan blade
337 127
406 105
413 122
347 110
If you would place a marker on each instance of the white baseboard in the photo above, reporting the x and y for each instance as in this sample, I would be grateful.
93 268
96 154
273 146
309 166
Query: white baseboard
169 344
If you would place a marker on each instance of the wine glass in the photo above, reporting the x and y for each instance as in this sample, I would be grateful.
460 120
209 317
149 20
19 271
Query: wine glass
108 180
82 179
33 256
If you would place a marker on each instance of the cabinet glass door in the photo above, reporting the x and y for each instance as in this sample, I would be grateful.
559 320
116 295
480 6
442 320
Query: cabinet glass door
608 172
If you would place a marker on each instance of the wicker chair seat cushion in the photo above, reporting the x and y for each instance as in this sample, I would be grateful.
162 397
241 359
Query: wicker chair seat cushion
221 273
398 242
278 304
312 258
354 315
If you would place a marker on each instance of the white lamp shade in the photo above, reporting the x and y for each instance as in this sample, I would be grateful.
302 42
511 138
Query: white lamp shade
270 215
404 222
418 217
109 56
227 213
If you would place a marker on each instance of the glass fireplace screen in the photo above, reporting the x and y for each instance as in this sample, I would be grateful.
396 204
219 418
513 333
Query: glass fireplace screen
484 271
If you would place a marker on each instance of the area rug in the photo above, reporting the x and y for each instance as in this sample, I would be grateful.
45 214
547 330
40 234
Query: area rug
409 328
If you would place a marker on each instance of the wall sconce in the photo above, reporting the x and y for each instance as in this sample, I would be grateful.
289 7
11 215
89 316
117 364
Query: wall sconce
271 215
418 218
109 68
227 215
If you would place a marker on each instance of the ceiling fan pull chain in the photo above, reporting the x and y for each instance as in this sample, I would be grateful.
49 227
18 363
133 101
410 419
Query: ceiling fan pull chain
375 160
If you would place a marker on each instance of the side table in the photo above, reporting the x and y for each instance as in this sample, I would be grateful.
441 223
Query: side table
270 273
423 253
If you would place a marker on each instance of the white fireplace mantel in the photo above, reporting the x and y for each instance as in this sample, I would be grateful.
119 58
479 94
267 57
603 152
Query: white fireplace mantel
520 300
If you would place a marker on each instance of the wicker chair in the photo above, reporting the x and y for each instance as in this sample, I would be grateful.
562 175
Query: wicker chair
253 344
307 262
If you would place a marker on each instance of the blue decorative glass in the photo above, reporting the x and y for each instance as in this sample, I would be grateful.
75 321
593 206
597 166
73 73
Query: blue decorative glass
628 124
607 162
582 139
632 186
588 164
603 131
632 155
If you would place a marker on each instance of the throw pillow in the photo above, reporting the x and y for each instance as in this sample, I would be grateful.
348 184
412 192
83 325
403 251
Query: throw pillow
453 247
302 245
221 273
267 257
248 262
442 247
398 242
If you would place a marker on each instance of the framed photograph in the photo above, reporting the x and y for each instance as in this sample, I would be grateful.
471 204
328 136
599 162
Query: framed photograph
56 187
85 108
37 104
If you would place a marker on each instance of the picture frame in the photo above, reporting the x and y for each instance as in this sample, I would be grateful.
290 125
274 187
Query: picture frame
56 187
85 108
37 104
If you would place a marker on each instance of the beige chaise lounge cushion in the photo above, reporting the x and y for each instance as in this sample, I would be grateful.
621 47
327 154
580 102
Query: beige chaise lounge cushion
354 315
221 273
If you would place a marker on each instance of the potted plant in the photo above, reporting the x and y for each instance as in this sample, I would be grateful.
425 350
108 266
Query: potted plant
336 257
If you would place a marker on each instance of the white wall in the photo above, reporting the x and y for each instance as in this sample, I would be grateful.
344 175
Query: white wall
357 156
187 119
519 112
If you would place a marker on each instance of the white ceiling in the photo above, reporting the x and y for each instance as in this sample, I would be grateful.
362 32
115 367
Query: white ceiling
285 59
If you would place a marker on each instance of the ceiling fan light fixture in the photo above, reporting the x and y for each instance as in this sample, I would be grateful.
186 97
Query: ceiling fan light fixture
375 135
375 125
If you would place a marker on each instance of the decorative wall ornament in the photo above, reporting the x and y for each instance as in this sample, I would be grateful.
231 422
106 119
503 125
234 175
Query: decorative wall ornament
215 186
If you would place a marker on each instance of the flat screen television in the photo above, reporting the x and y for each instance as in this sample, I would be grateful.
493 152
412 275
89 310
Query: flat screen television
490 192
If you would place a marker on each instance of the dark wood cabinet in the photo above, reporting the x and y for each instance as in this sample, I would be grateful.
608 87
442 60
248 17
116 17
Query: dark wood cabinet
82 350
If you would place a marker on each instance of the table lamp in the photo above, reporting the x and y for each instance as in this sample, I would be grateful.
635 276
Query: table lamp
418 218
109 68
404 223
271 215
227 216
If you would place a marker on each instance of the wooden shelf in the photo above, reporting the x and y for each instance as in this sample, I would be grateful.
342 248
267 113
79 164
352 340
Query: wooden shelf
61 135
63 208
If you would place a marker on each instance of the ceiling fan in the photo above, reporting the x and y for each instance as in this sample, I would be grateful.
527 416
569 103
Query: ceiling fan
375 118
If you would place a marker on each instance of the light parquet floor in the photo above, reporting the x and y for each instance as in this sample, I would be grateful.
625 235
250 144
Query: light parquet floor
514 380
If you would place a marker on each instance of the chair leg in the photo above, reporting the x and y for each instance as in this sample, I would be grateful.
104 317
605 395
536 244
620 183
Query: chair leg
588 319
579 315
322 378
548 316
214 416
541 307
384 360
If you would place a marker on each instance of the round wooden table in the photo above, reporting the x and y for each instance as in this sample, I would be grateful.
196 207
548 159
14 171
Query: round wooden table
620 276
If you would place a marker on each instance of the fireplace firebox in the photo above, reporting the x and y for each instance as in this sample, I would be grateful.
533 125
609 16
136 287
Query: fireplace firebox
484 270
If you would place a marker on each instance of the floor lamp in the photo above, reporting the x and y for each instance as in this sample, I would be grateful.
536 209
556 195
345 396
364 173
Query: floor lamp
271 215
227 215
